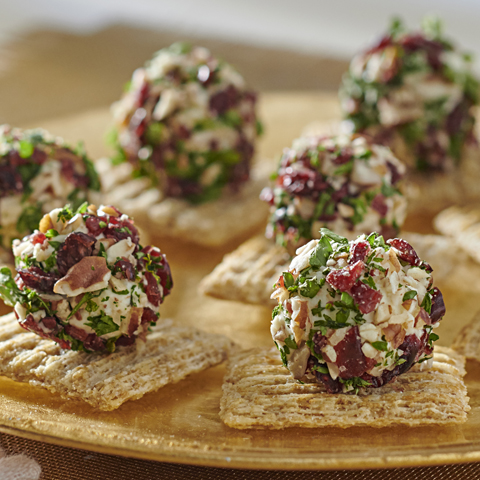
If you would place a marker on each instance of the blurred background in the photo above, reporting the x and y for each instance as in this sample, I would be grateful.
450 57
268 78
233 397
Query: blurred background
59 57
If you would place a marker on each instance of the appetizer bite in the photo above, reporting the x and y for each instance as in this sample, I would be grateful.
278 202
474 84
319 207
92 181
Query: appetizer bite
188 122
355 314
84 280
346 183
414 91
38 172
89 296
185 136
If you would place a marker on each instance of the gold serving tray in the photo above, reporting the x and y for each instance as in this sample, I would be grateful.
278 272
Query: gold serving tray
180 423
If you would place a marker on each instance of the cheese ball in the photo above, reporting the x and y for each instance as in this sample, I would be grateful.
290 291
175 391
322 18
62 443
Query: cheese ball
345 183
355 314
188 122
38 172
84 280
414 91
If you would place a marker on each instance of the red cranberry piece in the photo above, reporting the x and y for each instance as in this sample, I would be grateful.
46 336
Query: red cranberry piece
10 181
38 238
92 342
50 323
149 316
93 225
365 297
344 156
405 251
224 100
124 341
76 246
438 306
359 251
345 278
379 205
388 231
351 361
152 291
75 332
35 278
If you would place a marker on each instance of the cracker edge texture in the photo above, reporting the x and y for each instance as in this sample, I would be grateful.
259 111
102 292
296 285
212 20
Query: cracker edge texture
258 392
107 381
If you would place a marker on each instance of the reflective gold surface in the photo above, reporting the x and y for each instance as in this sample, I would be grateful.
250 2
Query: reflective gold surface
180 423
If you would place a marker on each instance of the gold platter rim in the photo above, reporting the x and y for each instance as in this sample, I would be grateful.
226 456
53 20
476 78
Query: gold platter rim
230 459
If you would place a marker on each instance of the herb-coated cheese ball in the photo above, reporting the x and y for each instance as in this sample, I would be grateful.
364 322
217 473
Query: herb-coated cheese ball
414 92
187 121
345 183
38 172
355 314
84 280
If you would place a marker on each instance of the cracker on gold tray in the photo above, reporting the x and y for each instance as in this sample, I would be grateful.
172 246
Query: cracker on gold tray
463 225
249 272
258 392
104 381
209 224
467 342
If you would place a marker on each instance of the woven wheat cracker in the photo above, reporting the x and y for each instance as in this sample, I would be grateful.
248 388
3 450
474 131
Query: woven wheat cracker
467 342
107 381
258 392
248 273
463 225
210 224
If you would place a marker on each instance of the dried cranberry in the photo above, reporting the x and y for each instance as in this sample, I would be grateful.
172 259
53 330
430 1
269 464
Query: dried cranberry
149 316
50 323
151 289
343 156
121 229
76 246
331 385
124 341
126 268
92 342
359 251
224 100
456 118
10 181
365 297
351 361
433 49
388 231
395 174
75 332
405 251
36 279
30 324
344 278
37 238
143 94
93 225
438 306
379 204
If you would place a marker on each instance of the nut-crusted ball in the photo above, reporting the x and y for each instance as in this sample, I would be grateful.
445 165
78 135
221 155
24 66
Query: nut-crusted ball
346 183
355 314
84 280
187 121
414 92
38 172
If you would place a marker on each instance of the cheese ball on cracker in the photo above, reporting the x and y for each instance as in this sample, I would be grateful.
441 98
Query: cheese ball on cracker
38 172
84 280
414 91
355 314
188 122
345 183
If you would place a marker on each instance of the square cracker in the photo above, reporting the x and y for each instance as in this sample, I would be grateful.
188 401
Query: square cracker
467 342
105 381
209 224
248 273
258 392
